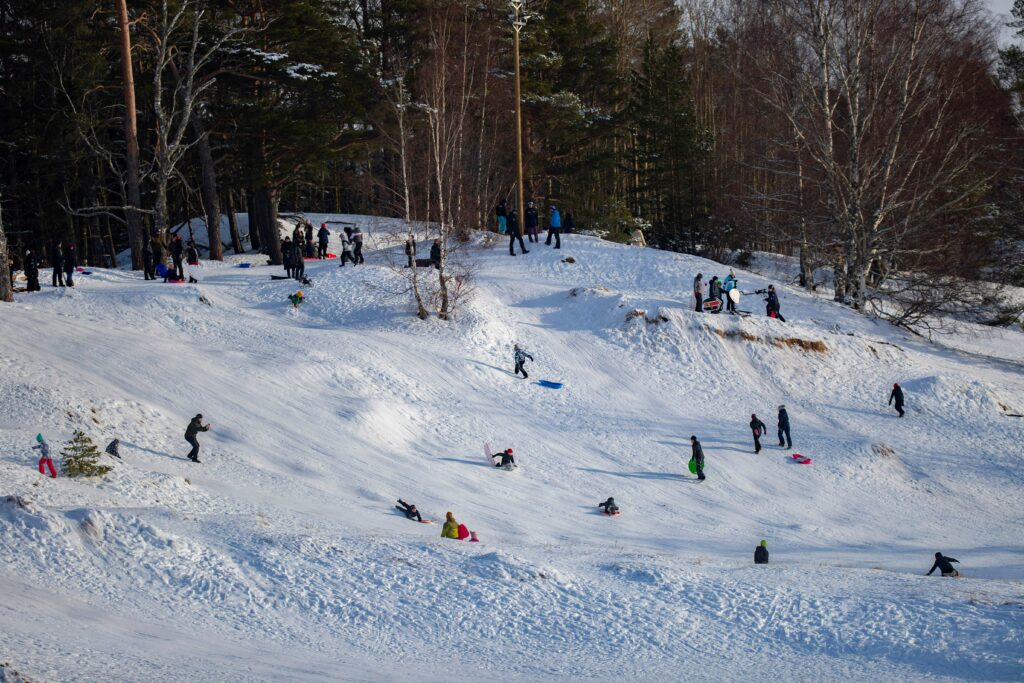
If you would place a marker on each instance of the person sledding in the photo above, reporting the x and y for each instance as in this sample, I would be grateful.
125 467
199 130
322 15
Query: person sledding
761 553
945 566
44 456
409 510
505 459
114 448
520 356
609 507
897 396
296 299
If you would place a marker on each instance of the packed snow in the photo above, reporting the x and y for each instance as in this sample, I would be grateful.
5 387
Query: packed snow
281 556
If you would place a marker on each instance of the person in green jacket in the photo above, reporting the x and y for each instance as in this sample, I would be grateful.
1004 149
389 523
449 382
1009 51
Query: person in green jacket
451 527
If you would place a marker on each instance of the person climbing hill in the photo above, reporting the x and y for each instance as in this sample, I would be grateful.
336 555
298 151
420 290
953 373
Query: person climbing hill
761 553
944 565
194 427
758 428
609 507
520 356
409 510
897 396
44 456
451 527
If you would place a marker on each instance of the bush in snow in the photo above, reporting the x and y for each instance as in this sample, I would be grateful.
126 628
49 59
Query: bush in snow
81 458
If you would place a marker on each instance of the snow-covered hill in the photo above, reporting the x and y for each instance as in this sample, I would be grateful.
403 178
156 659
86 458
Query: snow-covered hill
281 558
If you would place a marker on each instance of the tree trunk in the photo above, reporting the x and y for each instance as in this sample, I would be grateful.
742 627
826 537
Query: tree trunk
6 290
236 237
134 198
266 216
254 234
208 188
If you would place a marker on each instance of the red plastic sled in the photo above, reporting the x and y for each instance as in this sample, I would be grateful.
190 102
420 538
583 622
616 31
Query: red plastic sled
463 532
801 459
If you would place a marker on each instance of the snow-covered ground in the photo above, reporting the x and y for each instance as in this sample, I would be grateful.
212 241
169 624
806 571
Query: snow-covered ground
281 558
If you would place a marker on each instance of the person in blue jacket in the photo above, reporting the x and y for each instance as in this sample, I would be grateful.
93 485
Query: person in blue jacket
730 283
555 228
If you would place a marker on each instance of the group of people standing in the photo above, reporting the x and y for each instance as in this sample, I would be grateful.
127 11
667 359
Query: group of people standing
508 224
716 290
299 246
63 260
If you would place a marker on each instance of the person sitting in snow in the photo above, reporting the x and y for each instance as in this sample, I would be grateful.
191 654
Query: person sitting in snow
451 527
761 553
506 458
113 448
44 457
609 507
409 511
296 299
520 356
944 565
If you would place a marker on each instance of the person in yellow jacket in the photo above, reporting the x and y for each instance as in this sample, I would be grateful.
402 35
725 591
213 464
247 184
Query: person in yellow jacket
451 527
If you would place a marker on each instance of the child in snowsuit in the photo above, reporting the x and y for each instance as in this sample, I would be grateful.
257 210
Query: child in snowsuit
897 395
506 458
698 457
772 304
943 564
520 358
609 507
113 448
44 457
758 428
451 527
296 299
410 511
761 553
194 427
784 428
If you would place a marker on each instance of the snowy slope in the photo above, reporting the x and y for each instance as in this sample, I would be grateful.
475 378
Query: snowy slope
281 557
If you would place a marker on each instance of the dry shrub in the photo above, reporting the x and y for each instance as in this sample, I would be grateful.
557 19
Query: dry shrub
813 345
641 313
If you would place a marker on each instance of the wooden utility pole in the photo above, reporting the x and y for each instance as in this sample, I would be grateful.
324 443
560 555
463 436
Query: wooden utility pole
131 136
518 23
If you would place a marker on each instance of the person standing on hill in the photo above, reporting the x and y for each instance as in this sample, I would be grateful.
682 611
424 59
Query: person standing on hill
357 246
532 220
514 234
307 228
698 457
194 427
761 553
728 285
177 252
555 228
944 565
435 253
31 268
323 235
57 263
148 262
520 356
298 260
772 304
346 248
897 395
287 254
715 292
698 291
70 264
758 428
784 428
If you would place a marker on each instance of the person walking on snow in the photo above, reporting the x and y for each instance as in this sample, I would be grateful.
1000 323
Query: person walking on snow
357 246
520 356
451 527
70 264
698 291
772 304
44 456
506 458
194 427
555 228
114 448
758 428
322 236
761 553
57 263
897 395
728 285
784 428
944 565
698 457
409 511
531 221
514 234
609 507
298 260
32 271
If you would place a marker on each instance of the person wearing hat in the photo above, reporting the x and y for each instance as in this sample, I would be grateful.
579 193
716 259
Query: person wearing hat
897 395
609 507
194 427
555 228
32 272
520 355
506 458
451 527
114 448
322 236
730 283
698 457
758 428
514 234
531 220
772 304
409 510
44 456
761 553
784 428
296 299
944 565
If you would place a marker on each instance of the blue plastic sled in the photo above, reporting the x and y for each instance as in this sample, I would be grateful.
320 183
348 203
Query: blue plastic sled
550 385
245 265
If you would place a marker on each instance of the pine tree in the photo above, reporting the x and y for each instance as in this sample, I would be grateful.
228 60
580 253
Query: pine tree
80 458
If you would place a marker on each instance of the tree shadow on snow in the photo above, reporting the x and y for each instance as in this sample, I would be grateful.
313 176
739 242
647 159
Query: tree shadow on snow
638 475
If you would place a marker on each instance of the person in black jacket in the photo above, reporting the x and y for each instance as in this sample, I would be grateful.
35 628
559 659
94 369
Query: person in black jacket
715 292
698 457
609 507
148 262
57 263
177 252
761 553
409 511
435 253
507 459
568 224
532 221
514 234
298 259
784 428
308 229
897 395
70 264
31 268
113 448
194 427
322 236
410 251
772 304
944 565
758 428
287 256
